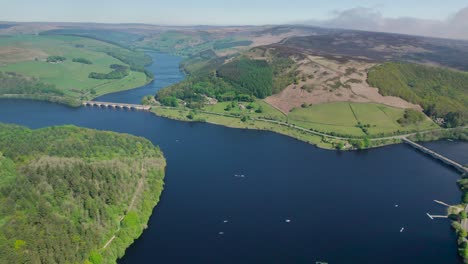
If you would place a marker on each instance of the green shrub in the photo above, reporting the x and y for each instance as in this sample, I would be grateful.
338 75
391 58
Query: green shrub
82 60
56 59
169 101
411 117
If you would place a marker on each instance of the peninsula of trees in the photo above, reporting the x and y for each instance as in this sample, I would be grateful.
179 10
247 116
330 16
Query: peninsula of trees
74 195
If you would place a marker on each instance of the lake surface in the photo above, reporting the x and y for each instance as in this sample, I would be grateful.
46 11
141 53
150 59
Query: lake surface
341 206
166 72
457 151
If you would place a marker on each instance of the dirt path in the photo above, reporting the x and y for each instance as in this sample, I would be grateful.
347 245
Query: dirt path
108 242
137 192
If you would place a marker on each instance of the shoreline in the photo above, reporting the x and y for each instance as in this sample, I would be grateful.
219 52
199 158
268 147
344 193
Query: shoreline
64 100
318 139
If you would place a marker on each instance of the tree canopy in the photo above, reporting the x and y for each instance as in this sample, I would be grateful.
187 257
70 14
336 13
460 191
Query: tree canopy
441 92
66 191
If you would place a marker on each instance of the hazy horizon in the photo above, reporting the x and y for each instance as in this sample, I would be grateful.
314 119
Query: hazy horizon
430 18
209 12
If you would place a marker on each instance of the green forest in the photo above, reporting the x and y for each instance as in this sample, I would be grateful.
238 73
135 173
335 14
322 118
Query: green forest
65 192
55 59
441 92
241 79
119 72
249 76
82 60
136 60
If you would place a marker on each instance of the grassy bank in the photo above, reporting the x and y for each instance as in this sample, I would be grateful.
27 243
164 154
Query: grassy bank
343 119
357 120
258 123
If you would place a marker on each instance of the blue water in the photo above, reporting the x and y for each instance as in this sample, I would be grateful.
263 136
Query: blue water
455 150
166 72
341 205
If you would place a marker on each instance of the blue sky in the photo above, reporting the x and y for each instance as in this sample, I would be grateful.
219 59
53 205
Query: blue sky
216 12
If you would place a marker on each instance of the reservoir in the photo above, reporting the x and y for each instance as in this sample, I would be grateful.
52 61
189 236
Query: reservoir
244 196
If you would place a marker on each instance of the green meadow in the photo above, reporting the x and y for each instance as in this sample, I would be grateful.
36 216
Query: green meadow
349 119
267 111
68 76
340 118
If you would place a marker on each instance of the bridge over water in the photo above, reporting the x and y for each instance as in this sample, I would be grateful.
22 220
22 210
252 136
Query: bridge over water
423 149
118 105
436 155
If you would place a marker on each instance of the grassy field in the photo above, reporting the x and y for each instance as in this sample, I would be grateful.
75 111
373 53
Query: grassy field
181 43
236 122
341 118
191 42
268 111
70 77
344 118
233 122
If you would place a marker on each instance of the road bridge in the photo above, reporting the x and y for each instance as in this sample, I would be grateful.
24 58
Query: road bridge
436 155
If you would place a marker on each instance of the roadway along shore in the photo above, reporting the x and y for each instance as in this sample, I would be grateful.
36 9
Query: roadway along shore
399 137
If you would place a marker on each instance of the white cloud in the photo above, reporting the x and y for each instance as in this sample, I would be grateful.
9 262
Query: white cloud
370 19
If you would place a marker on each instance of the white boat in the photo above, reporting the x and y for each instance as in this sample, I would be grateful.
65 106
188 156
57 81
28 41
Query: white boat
402 229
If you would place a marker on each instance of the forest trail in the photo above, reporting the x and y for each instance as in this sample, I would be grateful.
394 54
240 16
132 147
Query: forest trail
137 192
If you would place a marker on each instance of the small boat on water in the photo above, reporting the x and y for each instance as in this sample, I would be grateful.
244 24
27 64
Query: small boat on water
401 230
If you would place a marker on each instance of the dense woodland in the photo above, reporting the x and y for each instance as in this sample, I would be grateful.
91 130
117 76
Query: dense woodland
82 60
119 72
136 60
441 92
241 79
65 191
249 76
55 59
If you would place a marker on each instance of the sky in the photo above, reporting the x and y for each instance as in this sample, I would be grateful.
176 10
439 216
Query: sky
217 12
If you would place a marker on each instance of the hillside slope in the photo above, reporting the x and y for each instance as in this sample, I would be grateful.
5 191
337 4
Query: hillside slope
441 92
80 68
